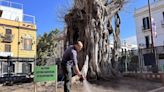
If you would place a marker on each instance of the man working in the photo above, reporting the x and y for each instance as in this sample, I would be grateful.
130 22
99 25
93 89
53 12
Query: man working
69 61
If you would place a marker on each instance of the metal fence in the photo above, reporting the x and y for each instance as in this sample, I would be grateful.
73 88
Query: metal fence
11 4
18 6
146 60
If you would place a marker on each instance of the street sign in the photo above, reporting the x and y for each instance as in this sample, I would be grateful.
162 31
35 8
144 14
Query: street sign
45 73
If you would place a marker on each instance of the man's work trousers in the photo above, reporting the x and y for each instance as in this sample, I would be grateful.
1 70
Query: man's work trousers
67 70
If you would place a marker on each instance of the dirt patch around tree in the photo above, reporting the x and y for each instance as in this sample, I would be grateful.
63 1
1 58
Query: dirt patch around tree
121 85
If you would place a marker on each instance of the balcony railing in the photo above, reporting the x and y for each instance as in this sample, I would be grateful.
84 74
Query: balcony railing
28 18
11 4
144 29
6 54
7 38
145 46
22 18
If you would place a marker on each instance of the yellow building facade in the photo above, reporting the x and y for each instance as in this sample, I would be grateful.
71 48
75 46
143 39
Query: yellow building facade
21 34
17 39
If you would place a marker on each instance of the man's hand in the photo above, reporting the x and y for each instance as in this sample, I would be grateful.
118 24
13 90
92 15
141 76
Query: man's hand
81 76
77 70
79 73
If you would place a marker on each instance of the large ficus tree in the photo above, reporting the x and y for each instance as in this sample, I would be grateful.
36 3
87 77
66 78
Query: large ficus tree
90 21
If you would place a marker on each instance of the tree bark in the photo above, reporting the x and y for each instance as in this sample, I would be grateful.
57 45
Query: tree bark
90 22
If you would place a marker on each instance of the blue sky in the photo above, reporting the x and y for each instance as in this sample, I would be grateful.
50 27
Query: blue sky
49 14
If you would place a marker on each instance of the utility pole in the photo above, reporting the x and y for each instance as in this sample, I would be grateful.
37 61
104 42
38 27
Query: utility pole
155 66
150 25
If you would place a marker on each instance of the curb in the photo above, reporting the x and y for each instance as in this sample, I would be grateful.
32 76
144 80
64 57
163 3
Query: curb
147 76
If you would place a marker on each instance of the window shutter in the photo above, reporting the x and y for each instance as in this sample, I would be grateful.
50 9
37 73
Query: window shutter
143 21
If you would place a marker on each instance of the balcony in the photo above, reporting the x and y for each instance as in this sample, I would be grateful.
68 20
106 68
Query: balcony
144 46
6 54
144 29
8 38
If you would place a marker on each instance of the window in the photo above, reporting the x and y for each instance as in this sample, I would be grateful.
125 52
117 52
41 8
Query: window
163 15
147 41
26 68
7 48
161 56
30 68
5 67
12 67
8 31
1 13
27 44
146 23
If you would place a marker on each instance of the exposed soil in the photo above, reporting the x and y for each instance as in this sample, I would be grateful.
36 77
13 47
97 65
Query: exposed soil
123 85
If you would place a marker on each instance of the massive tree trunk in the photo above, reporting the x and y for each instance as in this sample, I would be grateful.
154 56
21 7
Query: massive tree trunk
90 21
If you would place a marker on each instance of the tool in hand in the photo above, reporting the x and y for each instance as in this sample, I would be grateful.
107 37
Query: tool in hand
82 78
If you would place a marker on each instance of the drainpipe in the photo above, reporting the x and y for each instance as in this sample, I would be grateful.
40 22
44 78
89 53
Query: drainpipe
18 47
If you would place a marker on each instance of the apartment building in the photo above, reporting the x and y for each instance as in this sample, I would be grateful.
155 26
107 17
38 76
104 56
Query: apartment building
17 39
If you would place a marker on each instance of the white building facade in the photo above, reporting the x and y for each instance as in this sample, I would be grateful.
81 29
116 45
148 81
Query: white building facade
143 32
125 46
142 25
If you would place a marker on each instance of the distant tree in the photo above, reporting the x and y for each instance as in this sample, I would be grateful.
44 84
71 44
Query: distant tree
134 62
47 46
